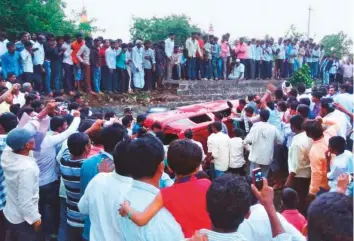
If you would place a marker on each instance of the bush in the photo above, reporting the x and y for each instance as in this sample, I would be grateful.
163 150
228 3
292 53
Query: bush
302 75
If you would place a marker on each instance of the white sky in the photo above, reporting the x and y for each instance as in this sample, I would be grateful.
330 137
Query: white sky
254 18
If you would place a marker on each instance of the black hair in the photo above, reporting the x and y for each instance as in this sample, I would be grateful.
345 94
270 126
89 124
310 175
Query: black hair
271 105
330 218
293 92
301 88
305 101
124 45
251 97
140 118
73 106
264 115
10 74
37 103
188 134
96 40
289 198
282 105
111 135
8 121
345 87
30 98
317 94
156 125
10 44
147 153
68 118
337 143
126 120
238 132
85 125
56 122
249 109
202 175
28 44
26 110
67 37
59 38
109 115
327 103
293 104
77 143
184 157
303 110
210 128
228 200
217 125
242 101
160 135
15 108
279 94
121 158
171 34
23 33
313 129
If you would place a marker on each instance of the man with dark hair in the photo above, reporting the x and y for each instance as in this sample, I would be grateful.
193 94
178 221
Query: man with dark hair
303 111
318 163
332 91
218 150
237 159
330 218
111 61
96 62
78 70
149 64
79 146
111 136
299 162
68 64
169 46
122 73
140 119
290 201
316 99
147 153
127 123
262 137
328 110
188 134
155 128
27 63
345 98
341 163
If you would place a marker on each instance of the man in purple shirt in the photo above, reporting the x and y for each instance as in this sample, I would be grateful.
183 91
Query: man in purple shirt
316 98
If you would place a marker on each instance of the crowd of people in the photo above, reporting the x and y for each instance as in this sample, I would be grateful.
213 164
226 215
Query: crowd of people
100 65
69 174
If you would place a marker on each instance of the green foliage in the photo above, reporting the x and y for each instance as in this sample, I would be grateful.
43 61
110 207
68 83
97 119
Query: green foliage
156 29
36 16
294 33
302 75
338 43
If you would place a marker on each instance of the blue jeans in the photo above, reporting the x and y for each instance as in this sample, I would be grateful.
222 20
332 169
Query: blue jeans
22 231
96 72
217 67
56 74
206 66
104 77
215 173
79 74
49 206
63 225
314 69
48 72
265 168
192 65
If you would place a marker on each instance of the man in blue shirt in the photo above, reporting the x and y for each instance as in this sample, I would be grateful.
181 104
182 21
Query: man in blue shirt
139 124
11 61
111 135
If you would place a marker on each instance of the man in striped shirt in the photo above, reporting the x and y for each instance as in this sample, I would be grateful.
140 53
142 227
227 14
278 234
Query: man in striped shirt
79 147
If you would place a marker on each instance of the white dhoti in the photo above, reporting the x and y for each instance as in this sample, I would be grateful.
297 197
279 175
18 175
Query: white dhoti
138 79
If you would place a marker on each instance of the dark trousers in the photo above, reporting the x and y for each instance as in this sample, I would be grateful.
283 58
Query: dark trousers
56 74
21 232
37 77
279 67
265 73
192 62
49 208
246 63
2 226
68 74
123 80
206 67
27 77
148 79
104 77
238 171
259 69
75 234
301 186
199 68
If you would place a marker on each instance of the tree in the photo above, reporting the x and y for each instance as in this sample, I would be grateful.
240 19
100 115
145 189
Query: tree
338 43
293 33
156 29
35 16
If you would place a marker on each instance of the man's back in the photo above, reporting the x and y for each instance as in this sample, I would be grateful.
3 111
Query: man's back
161 227
221 151
101 201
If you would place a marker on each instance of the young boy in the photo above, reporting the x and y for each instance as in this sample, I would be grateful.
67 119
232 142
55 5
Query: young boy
189 210
139 124
237 160
290 213
176 61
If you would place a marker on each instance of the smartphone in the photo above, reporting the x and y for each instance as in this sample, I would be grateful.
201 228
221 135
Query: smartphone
257 178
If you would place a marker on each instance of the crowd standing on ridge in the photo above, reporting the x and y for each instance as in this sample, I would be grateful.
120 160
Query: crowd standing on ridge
100 65
70 174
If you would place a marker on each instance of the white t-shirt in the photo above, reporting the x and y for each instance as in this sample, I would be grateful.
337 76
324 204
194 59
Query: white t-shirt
218 146
238 70
26 60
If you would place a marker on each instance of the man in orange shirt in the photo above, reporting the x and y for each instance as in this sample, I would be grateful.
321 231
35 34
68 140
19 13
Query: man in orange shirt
318 161
199 66
75 46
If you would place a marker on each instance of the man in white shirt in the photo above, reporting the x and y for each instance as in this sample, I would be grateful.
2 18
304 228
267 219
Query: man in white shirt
22 179
238 71
237 159
218 149
111 59
68 64
26 61
262 136
299 162
328 111
3 42
251 55
189 135
101 203
138 70
344 98
38 61
348 69
192 47
169 46
279 50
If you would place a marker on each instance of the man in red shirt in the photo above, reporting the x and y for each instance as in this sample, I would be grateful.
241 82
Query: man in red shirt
104 68
290 201
200 58
75 46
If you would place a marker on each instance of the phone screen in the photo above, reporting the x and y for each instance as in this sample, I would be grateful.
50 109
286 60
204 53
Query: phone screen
258 178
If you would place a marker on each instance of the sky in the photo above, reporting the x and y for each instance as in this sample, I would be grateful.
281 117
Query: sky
254 18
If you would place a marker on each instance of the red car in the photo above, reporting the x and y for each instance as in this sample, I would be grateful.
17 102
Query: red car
196 117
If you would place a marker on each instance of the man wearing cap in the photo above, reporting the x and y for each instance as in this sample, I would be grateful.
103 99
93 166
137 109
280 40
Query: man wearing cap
138 71
22 181
238 71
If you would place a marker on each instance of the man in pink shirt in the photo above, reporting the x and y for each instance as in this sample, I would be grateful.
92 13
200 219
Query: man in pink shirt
318 161
241 52
224 52
290 201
